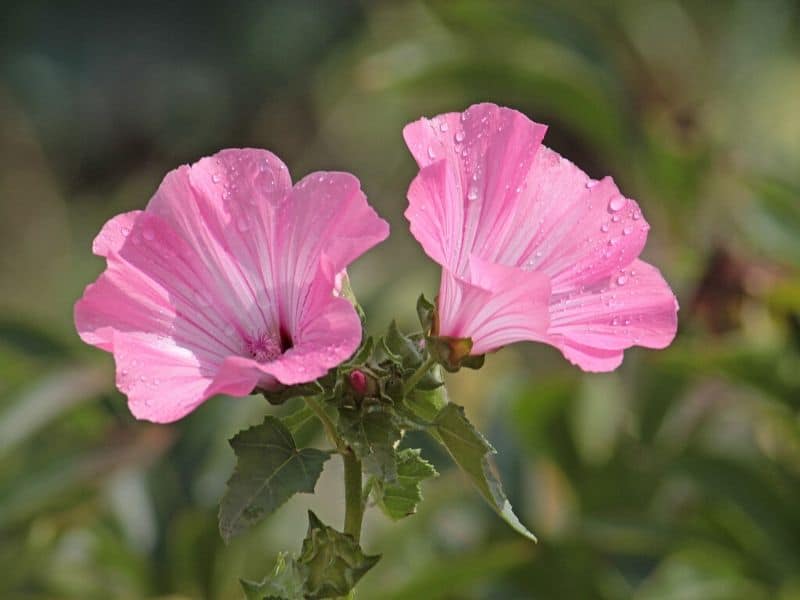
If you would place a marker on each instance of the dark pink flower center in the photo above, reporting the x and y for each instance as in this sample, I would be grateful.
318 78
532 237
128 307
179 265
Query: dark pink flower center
265 348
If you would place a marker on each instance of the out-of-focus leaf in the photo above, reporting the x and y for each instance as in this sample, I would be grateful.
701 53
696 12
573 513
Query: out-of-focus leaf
269 470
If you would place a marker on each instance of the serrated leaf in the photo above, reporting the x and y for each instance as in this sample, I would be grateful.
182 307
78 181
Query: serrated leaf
332 561
471 452
285 583
372 432
269 470
400 498
295 421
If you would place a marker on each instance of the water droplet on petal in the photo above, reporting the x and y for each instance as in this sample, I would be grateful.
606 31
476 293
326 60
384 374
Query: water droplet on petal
431 152
616 203
443 126
459 137
149 235
215 178
622 280
472 195
604 227
627 230
590 184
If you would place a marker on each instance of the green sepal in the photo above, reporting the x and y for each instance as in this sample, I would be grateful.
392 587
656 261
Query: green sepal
333 562
285 583
472 453
269 470
400 498
285 393
401 348
426 311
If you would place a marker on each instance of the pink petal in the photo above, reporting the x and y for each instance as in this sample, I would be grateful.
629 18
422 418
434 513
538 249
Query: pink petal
163 381
325 221
499 306
328 338
224 206
487 152
592 327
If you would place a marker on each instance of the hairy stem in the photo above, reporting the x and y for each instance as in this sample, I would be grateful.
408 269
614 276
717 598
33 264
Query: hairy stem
354 504
412 381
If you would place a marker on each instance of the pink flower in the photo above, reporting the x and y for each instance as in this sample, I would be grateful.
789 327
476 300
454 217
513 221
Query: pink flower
531 247
225 282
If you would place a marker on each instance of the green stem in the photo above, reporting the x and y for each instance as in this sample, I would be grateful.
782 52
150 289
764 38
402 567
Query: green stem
412 381
354 504
327 424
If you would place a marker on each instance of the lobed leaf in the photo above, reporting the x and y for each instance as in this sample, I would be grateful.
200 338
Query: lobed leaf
400 498
269 470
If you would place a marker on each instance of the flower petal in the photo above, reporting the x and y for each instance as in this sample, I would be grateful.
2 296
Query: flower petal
499 306
487 152
328 338
635 306
224 207
163 381
325 222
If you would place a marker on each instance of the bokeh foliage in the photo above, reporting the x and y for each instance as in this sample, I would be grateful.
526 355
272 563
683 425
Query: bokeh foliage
676 477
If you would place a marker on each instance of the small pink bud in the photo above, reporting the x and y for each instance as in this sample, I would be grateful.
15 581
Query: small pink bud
358 381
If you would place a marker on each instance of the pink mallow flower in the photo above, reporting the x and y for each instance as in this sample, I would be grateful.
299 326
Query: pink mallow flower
226 282
531 247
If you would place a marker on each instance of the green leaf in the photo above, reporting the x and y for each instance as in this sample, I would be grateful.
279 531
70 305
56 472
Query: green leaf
471 452
333 561
372 432
270 469
295 421
285 582
400 499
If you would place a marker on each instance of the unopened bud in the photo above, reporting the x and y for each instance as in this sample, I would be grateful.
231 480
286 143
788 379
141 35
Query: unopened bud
358 381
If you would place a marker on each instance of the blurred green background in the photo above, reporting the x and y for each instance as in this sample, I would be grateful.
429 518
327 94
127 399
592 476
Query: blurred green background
677 477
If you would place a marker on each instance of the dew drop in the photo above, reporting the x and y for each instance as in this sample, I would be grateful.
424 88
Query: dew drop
615 218
636 215
443 126
604 227
215 178
125 231
472 195
627 230
616 203
613 241
459 137
622 280
431 152
590 184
